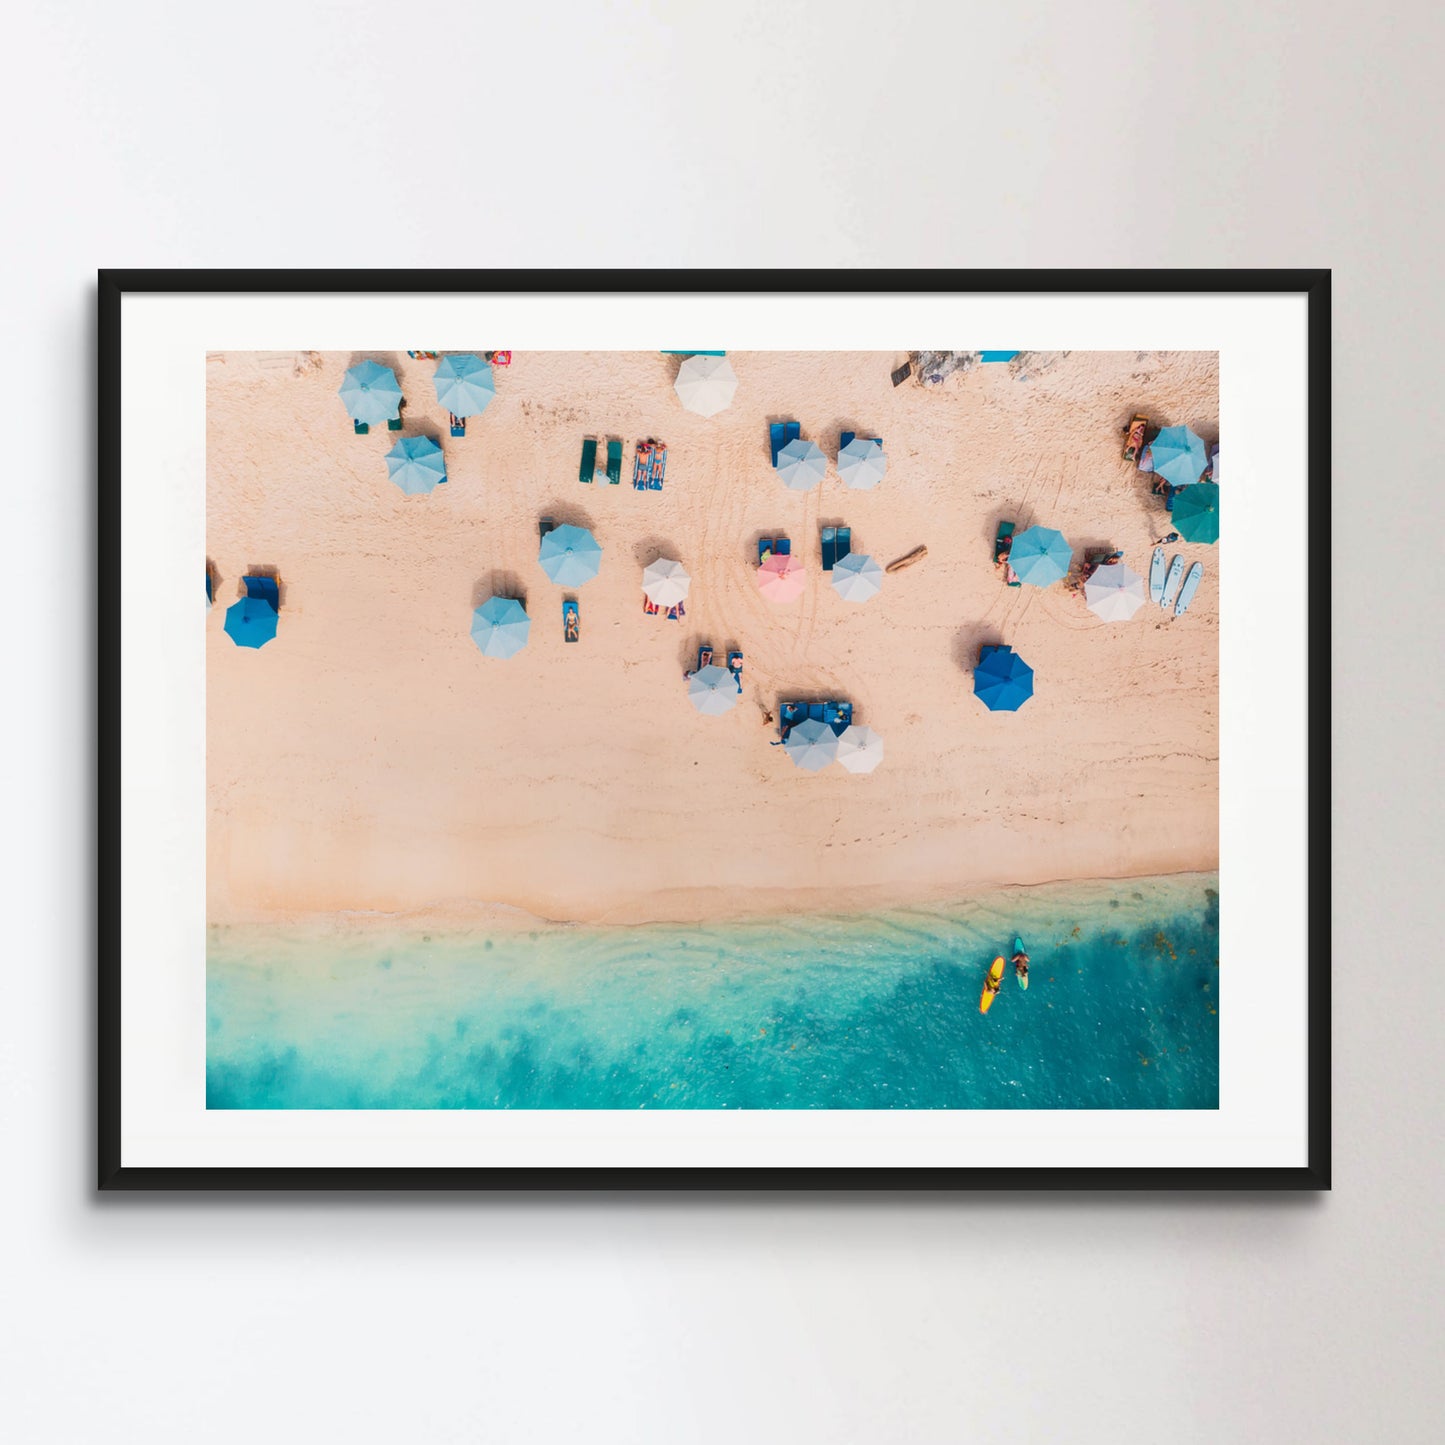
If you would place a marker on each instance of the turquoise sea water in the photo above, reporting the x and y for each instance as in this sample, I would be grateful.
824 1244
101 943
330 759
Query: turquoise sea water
874 1011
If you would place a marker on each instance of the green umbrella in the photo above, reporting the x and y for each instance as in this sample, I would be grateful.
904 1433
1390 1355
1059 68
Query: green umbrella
1196 512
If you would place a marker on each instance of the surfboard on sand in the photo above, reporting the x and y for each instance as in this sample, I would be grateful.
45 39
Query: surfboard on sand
1171 583
1157 568
1023 978
990 987
1190 587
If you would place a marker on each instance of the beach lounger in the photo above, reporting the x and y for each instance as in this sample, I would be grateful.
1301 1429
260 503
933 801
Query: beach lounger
831 715
545 525
394 424
845 543
614 463
361 428
676 612
265 588
792 713
704 656
765 549
783 547
641 465
844 717
1134 438
649 607
830 547
735 666
458 424
780 433
1004 534
658 468
571 622
903 373
500 358
588 469
815 712
850 436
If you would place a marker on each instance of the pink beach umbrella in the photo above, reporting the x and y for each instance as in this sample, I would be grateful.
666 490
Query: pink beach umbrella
780 579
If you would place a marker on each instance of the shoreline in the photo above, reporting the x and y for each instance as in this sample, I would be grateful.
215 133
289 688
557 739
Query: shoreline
459 922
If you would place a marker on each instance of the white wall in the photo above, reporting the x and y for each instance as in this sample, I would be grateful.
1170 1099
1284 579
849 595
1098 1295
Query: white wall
1247 132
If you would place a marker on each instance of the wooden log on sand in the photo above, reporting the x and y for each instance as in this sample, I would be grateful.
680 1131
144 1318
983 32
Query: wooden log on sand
916 555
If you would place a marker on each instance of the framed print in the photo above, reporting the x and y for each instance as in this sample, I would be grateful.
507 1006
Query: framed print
885 750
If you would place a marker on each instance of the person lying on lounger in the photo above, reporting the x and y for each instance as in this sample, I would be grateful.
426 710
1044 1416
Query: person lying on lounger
1001 551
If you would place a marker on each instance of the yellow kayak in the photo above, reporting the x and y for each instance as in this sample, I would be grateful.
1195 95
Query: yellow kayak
990 985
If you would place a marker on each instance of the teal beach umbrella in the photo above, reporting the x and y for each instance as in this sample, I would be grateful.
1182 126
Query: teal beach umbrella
570 556
1179 456
251 622
464 384
811 744
1040 556
1196 512
1002 681
801 465
500 627
416 465
371 393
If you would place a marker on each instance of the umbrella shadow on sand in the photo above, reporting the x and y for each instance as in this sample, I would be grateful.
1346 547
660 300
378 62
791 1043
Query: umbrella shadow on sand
649 549
500 582
968 642
567 514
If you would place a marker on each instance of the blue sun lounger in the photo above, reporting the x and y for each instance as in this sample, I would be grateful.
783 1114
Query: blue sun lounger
765 549
792 713
845 437
845 543
735 666
265 588
614 463
588 469
545 525
780 433
571 622
361 428
657 470
783 547
394 424
838 715
815 712
458 424
830 547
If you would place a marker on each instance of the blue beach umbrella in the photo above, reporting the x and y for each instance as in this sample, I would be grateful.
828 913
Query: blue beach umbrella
1179 456
416 465
1002 681
861 464
801 465
464 384
251 622
500 627
811 744
371 393
1040 556
713 691
570 556
1196 512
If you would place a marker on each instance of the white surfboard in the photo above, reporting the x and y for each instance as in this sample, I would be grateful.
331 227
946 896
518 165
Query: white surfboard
1191 586
1157 569
1171 583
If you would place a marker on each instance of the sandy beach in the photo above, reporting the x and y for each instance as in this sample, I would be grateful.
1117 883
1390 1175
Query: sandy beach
371 761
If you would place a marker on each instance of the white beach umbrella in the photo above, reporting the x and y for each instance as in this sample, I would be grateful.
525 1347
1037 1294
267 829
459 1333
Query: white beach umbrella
860 749
665 582
811 744
861 464
1114 593
713 690
801 465
857 577
705 384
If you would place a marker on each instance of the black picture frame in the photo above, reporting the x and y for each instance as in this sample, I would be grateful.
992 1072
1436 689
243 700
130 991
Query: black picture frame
113 1175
